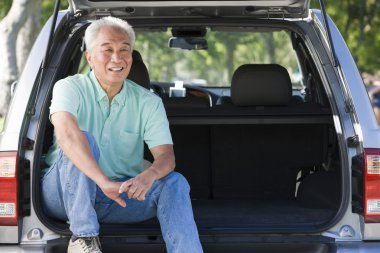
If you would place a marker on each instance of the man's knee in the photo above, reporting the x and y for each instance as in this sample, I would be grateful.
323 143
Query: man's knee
177 180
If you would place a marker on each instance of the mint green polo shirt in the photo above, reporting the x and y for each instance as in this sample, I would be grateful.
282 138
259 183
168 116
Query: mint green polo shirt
135 115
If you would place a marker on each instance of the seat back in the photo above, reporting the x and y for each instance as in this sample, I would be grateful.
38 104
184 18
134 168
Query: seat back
261 160
191 143
139 72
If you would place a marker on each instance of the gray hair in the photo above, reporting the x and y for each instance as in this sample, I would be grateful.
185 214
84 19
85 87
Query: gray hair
94 28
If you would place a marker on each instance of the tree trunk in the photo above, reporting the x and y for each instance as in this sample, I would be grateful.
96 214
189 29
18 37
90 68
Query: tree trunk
270 48
28 33
229 61
9 30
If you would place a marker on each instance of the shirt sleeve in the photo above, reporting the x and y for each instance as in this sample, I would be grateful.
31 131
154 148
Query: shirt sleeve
157 130
65 98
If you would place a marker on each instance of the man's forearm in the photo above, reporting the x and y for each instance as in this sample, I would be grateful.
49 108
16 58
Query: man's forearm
76 148
162 165
75 145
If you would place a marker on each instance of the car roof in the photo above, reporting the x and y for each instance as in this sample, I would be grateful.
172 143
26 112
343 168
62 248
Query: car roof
216 8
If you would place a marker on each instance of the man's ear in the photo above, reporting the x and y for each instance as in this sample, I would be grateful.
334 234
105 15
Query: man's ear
89 59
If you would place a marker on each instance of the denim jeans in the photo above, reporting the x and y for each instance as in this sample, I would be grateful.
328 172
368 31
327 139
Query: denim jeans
68 194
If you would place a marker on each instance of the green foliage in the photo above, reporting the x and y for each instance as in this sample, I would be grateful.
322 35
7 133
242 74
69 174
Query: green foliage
156 54
359 23
48 8
226 51
5 5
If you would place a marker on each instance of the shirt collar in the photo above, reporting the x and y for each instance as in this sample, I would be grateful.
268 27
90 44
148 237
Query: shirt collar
101 94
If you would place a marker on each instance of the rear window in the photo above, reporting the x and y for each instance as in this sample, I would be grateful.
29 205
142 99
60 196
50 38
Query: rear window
227 50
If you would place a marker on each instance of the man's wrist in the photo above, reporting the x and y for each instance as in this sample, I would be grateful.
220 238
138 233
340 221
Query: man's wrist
154 172
101 181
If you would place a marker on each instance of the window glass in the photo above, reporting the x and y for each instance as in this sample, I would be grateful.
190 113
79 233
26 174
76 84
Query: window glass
226 51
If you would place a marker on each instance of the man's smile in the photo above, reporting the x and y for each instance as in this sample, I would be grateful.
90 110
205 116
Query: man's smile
116 69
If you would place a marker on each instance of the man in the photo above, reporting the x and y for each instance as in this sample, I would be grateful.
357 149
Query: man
96 169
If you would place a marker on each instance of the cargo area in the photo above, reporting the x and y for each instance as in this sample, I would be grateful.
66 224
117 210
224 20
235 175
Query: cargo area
261 177
265 171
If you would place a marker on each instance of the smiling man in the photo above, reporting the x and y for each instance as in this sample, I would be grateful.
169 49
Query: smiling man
96 172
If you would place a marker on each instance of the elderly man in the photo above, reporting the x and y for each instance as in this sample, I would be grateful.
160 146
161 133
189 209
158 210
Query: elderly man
96 172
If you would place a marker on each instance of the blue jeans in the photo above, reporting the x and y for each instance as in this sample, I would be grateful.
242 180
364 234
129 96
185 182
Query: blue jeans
68 194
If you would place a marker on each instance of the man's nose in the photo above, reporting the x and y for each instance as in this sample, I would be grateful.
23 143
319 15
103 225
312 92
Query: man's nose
116 57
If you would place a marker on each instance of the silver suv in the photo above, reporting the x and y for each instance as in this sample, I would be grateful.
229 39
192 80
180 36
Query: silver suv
271 124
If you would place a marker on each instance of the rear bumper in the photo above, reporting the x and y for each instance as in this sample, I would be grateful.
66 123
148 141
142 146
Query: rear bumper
60 245
362 247
9 234
23 249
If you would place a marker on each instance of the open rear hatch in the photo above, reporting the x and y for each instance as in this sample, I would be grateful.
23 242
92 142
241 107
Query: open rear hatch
255 8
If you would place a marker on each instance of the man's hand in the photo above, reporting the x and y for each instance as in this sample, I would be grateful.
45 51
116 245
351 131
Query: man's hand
111 190
137 187
163 164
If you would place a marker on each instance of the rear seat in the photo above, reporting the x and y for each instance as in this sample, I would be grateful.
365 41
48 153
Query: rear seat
192 153
191 144
261 161
254 143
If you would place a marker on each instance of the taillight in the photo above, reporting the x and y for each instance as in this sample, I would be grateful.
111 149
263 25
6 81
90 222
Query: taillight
8 189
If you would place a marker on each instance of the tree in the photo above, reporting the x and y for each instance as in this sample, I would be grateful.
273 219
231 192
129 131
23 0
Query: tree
359 23
28 34
10 26
19 27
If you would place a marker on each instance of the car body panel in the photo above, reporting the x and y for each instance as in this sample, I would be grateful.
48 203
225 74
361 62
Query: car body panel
9 234
371 231
10 137
365 125
347 247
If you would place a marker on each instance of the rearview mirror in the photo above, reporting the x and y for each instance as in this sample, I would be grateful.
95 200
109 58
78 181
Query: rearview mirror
189 43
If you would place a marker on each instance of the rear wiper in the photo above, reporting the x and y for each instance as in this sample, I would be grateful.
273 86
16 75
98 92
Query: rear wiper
329 38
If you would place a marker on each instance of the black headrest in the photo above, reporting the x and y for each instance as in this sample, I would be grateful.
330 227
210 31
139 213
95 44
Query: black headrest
261 85
139 73
136 56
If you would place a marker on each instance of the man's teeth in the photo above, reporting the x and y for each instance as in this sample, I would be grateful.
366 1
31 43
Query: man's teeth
116 69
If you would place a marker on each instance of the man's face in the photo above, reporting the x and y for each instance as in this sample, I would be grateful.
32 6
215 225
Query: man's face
110 57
